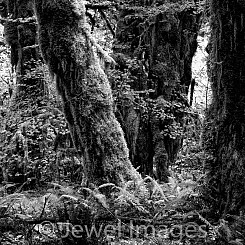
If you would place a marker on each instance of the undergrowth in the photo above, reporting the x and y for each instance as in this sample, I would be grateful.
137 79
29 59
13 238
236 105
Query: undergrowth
169 213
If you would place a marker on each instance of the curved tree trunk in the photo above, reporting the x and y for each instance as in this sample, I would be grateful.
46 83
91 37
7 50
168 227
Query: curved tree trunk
225 135
68 49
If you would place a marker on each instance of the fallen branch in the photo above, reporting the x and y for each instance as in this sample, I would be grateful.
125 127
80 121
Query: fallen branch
18 20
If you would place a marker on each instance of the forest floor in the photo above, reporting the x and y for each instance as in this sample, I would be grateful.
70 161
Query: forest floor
172 213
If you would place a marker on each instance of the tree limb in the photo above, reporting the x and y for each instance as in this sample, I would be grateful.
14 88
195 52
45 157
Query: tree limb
107 22
99 6
31 46
18 20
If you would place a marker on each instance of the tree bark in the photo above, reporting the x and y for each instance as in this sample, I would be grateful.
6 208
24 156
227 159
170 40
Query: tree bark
225 130
30 90
20 33
68 49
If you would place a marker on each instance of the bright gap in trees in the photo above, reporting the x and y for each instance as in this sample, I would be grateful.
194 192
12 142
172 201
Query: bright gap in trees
202 90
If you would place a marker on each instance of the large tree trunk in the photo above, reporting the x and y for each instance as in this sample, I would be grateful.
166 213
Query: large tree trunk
67 47
225 132
163 42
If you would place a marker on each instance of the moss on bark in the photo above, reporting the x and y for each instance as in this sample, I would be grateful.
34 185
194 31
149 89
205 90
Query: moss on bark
162 38
25 57
29 92
68 49
225 134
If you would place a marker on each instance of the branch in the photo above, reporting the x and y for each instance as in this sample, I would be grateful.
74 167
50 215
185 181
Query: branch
107 22
32 46
99 6
100 51
18 20
91 19
30 19
102 54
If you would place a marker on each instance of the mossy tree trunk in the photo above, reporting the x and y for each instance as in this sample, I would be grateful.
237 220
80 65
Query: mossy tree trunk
29 93
225 136
68 49
20 33
162 39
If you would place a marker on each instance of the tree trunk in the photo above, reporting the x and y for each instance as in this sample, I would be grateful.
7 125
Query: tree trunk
29 93
68 49
163 42
20 34
225 131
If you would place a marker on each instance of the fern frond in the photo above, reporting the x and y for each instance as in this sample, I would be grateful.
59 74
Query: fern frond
156 187
203 219
69 197
101 199
106 185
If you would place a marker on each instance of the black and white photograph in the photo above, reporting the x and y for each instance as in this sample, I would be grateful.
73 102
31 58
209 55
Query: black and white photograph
122 122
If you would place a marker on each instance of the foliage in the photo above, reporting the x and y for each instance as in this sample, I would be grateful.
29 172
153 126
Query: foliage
38 138
150 109
35 142
89 206
45 217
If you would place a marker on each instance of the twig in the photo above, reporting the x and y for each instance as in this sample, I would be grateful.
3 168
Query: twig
107 22
44 205
104 55
18 20
31 46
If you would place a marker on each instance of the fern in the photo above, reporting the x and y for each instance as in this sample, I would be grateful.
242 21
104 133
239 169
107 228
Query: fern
156 188
68 197
204 220
99 197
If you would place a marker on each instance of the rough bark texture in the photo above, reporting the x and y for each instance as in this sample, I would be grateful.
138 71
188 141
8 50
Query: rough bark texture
20 34
67 47
163 40
225 131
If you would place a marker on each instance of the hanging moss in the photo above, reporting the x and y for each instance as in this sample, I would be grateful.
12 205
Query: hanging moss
162 38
